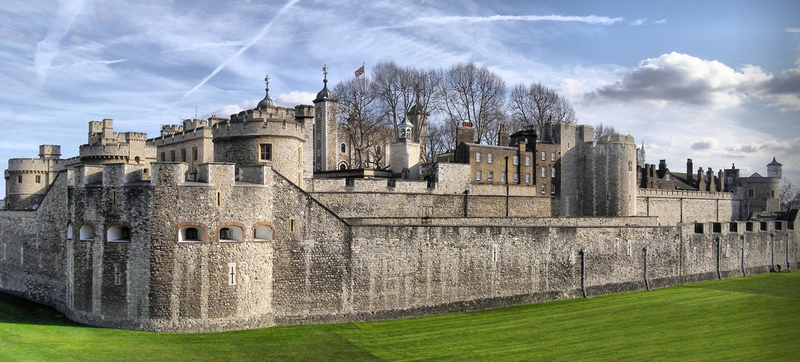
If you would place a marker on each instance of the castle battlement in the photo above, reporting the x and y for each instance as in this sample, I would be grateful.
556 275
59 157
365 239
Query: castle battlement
685 194
260 127
180 136
34 165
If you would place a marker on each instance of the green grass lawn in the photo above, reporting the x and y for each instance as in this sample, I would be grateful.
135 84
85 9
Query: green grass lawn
756 318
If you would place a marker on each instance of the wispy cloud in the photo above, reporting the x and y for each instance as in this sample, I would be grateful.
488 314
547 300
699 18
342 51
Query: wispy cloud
591 19
793 30
208 45
47 49
638 22
250 43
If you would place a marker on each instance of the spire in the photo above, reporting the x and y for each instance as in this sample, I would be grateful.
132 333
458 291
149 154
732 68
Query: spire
325 94
267 101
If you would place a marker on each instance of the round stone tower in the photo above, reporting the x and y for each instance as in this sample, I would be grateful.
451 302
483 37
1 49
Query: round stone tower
268 135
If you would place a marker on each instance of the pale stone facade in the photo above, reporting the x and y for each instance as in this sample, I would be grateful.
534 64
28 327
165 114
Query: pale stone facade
249 234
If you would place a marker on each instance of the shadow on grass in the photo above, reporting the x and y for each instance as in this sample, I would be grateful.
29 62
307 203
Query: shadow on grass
17 310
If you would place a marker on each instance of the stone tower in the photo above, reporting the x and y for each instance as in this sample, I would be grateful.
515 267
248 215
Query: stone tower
405 153
325 130
419 118
774 169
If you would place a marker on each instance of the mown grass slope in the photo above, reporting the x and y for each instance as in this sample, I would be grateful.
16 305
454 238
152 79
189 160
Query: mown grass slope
755 318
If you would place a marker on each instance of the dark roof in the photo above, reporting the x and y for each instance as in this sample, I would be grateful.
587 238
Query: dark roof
325 94
774 162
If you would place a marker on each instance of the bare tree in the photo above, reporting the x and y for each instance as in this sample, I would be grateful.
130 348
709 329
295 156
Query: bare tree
362 119
789 195
473 94
600 130
441 138
538 104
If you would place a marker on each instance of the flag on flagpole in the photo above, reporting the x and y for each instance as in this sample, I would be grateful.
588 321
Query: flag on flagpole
359 71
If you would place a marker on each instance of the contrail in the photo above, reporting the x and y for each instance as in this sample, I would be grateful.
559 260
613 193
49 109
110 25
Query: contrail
591 19
47 48
222 66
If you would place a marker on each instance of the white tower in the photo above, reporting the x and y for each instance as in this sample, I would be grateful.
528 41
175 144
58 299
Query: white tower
774 169
405 153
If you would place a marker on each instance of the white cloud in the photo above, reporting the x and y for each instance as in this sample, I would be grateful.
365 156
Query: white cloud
677 77
292 99
708 143
638 22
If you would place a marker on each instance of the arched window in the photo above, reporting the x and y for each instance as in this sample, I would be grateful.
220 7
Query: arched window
118 234
342 167
69 230
343 148
87 232
262 233
192 234
231 233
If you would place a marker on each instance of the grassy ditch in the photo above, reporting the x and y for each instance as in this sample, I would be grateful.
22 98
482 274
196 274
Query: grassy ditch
752 318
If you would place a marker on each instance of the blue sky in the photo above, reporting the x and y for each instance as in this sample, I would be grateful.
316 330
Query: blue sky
715 81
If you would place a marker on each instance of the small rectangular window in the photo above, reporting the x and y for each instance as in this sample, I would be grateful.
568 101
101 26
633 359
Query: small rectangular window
734 227
477 157
667 178
544 189
516 160
265 152
516 178
716 228
490 176
194 153
117 275
490 158
163 157
544 156
544 172
477 175
291 225
771 194
502 177
764 226
38 179
553 172
172 155
552 156
748 226
698 228
640 175
231 273
183 155
751 193
527 160
19 179
553 189
527 178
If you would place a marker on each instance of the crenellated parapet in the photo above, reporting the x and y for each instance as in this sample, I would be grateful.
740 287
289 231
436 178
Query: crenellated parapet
259 127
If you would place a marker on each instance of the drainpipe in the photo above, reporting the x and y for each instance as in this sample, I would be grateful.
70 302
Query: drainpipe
788 269
744 272
583 272
772 250
719 256
646 282
466 193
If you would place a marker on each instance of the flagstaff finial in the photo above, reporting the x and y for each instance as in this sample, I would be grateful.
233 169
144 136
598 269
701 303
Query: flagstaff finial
325 72
266 80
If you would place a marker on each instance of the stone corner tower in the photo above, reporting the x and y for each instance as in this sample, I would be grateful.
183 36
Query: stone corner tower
325 130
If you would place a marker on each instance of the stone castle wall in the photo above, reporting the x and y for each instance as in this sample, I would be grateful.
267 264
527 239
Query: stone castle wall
319 267
676 206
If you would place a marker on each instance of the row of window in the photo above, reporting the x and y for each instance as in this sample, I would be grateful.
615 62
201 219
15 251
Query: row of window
121 232
490 158
36 178
183 155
